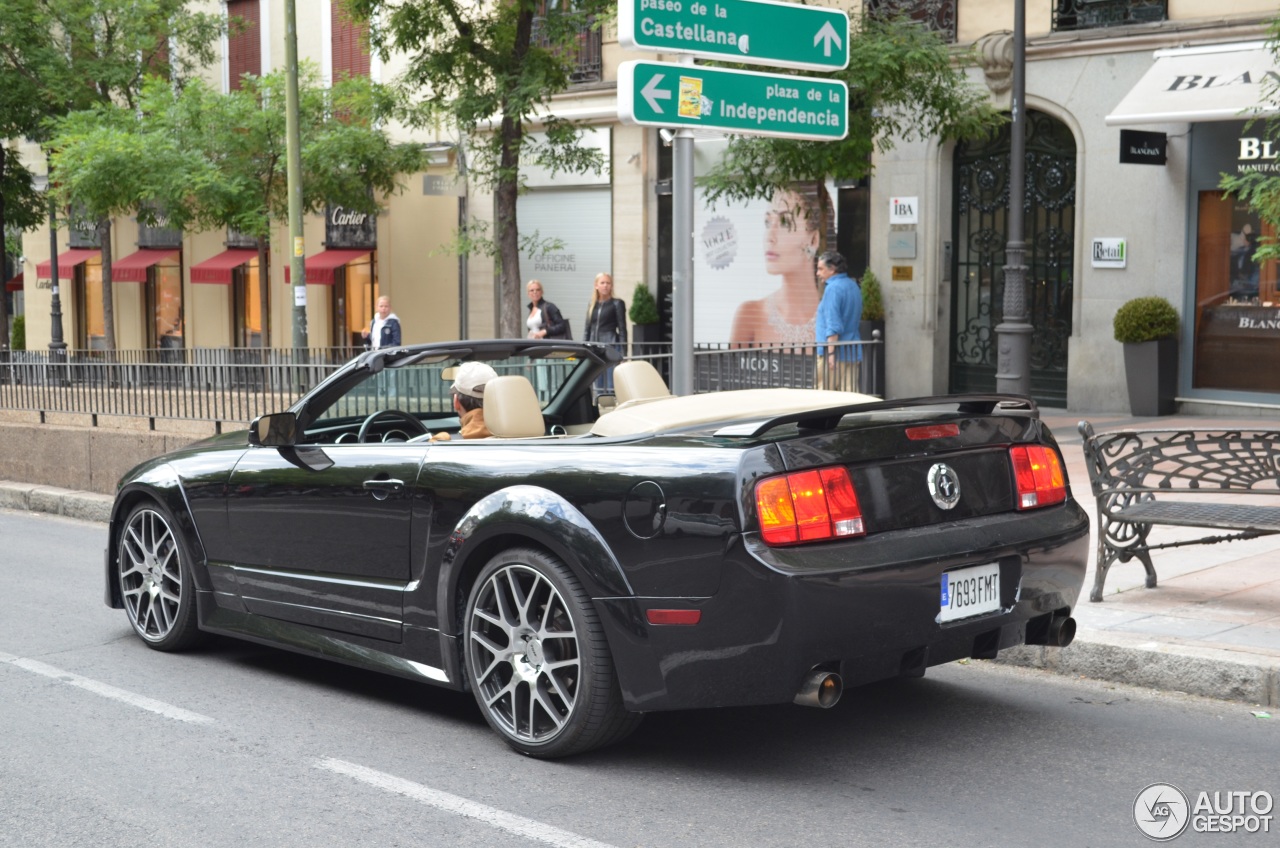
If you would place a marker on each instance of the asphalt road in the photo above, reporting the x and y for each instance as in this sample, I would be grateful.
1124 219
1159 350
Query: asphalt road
107 743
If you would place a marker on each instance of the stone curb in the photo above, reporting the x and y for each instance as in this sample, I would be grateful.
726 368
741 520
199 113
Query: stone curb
1132 659
87 506
1138 660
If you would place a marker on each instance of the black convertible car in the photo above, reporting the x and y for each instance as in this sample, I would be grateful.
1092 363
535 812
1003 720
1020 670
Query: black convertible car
603 556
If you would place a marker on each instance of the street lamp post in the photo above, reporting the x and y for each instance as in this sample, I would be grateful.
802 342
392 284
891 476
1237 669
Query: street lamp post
57 347
1013 334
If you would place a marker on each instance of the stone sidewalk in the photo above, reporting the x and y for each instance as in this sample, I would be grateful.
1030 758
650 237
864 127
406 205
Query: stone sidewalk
1211 627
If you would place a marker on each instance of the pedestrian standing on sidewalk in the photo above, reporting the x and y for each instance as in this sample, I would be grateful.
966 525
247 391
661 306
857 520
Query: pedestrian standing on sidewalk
607 323
384 329
839 313
545 320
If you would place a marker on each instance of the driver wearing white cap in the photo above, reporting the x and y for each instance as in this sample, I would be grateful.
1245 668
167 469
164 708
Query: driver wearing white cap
468 400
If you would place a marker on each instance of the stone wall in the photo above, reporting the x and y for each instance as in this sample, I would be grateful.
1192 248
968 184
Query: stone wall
84 455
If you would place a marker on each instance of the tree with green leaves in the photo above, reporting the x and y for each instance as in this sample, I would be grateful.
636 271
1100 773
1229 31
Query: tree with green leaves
1260 189
348 159
63 56
98 156
477 63
904 84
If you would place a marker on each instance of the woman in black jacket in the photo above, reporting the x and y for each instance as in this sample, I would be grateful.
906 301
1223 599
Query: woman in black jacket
606 322
545 320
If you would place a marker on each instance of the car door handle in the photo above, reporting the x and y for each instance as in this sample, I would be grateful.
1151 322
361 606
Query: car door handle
382 489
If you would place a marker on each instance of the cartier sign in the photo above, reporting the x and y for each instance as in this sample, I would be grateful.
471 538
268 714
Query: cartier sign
349 228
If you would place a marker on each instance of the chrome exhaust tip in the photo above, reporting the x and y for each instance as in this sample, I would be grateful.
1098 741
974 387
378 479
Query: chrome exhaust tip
820 689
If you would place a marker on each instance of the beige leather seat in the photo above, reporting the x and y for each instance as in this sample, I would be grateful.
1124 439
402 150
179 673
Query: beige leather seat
511 409
637 379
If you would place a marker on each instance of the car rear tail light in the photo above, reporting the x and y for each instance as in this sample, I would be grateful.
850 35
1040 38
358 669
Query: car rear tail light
1037 469
808 506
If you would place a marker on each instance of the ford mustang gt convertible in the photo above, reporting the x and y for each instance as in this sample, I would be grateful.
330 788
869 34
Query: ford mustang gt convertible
600 557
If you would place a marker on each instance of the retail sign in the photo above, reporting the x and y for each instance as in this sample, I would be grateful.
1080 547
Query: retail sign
904 210
1138 147
760 32
663 94
347 228
1109 253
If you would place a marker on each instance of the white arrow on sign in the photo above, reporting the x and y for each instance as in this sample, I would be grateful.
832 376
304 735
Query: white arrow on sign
827 35
652 94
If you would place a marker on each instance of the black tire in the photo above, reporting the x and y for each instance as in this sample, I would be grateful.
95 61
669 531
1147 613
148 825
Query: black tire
154 574
537 659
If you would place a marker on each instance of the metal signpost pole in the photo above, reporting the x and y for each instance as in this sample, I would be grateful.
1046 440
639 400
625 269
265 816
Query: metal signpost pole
685 95
1013 334
293 177
682 263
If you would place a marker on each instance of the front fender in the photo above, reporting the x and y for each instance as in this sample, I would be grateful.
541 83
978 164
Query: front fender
526 514
160 483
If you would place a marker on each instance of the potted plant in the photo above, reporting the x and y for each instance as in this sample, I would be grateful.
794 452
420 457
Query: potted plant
872 320
647 323
1148 329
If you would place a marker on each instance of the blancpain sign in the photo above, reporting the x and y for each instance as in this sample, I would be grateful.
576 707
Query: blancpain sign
1109 252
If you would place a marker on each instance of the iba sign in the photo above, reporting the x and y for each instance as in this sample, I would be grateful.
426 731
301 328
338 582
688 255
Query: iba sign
759 32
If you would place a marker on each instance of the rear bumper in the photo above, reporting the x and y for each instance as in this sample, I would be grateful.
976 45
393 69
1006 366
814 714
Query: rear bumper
866 609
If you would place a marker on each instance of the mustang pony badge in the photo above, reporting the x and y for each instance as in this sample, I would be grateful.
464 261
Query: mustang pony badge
944 486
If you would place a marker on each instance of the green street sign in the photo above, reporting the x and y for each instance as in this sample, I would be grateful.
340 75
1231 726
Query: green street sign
663 94
760 32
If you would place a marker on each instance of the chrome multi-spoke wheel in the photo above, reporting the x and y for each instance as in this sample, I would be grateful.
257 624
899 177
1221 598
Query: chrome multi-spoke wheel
155 582
537 658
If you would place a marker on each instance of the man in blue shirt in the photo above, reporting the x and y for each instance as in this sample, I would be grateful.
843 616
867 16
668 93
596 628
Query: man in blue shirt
839 313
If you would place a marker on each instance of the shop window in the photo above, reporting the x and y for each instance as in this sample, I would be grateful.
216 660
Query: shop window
1237 307
90 327
247 306
166 307
355 292
1091 14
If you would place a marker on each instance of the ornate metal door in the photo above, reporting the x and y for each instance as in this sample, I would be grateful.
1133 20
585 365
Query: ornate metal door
980 236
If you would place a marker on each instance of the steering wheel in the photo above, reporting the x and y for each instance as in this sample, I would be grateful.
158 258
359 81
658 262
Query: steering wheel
419 428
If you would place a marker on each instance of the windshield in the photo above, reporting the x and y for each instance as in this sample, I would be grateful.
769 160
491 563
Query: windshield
422 389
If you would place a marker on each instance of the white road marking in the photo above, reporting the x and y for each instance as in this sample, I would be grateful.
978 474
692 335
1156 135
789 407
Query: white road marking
107 691
518 825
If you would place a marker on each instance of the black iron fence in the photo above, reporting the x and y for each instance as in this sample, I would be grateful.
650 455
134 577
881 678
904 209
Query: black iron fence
235 385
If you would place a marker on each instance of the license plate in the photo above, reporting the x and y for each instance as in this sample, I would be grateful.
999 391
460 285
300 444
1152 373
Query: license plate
972 591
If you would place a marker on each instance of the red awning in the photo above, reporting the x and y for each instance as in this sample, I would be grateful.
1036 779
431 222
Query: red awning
133 268
321 266
67 260
14 284
219 268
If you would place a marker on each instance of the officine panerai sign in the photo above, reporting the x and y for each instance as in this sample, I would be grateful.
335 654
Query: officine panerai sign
346 228
1138 147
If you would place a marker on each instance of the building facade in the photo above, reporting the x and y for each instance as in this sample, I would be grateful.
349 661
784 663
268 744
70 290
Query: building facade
1134 109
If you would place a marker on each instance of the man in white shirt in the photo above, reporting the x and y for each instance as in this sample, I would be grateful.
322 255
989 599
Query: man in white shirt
384 330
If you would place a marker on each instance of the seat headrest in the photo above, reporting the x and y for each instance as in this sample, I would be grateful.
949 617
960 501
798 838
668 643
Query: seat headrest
511 408
637 379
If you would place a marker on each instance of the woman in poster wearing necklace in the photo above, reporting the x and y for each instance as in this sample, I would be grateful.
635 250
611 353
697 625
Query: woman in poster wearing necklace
791 245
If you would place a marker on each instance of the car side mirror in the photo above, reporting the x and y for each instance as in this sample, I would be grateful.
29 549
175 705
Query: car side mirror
274 431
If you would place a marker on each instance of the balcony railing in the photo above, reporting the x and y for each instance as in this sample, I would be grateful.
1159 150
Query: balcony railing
937 15
585 55
1070 15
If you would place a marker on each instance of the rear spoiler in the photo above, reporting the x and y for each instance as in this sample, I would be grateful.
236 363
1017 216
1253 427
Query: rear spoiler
829 418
